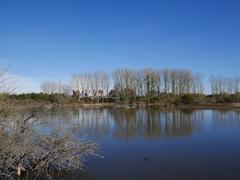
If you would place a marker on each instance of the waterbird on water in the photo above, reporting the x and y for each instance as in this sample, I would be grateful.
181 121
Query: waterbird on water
147 158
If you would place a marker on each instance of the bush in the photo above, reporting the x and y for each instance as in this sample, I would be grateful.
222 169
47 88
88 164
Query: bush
39 97
154 99
187 99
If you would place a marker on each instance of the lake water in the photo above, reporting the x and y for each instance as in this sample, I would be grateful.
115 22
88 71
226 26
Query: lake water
150 143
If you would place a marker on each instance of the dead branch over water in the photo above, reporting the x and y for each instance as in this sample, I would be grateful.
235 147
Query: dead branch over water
23 149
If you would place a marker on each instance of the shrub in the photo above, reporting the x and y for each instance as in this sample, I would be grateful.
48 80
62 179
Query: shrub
154 99
187 99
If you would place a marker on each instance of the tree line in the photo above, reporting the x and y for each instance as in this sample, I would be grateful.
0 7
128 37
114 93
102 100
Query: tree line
145 82
225 85
127 81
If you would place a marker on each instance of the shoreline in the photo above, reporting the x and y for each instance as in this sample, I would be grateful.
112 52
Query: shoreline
47 105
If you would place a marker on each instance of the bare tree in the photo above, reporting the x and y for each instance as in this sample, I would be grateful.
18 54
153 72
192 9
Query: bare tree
125 82
105 82
139 83
221 84
174 82
49 87
117 76
8 82
237 84
166 80
197 84
152 82
66 89
77 83
213 84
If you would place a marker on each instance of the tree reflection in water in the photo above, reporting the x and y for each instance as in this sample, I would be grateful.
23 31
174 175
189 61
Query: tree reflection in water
127 123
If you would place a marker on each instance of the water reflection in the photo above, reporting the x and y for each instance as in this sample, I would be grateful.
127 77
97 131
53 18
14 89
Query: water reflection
122 123
223 118
152 123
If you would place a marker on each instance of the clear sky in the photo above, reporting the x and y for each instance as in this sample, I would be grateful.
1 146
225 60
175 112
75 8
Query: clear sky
53 39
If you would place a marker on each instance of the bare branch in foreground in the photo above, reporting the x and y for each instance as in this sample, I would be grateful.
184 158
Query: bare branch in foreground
23 149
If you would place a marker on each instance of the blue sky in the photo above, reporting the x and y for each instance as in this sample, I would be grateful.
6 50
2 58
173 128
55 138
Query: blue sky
53 39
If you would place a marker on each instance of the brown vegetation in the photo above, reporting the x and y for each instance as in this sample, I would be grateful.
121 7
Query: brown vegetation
24 149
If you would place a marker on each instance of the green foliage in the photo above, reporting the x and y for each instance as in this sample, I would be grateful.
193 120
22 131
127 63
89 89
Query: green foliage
40 97
128 98
187 99
224 98
154 99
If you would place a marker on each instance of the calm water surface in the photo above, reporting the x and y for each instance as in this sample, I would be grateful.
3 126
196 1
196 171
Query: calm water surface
157 144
